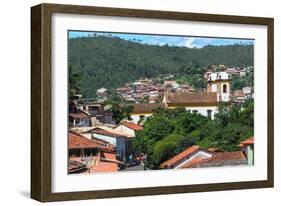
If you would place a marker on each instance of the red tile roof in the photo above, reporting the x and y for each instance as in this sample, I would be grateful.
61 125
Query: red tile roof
75 166
79 115
147 108
213 149
184 154
132 126
248 141
111 133
224 156
239 93
219 159
76 141
191 163
191 98
100 165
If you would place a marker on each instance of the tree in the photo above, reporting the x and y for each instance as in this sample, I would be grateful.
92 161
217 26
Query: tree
111 62
127 110
158 127
164 149
74 81
170 131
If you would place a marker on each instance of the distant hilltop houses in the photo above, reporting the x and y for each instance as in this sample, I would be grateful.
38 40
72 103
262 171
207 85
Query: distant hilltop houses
148 94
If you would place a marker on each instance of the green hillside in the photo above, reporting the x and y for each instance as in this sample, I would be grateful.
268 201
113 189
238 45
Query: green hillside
111 62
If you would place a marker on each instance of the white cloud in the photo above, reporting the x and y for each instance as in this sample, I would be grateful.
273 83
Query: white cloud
189 42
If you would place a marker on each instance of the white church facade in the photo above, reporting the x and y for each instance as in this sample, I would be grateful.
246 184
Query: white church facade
219 83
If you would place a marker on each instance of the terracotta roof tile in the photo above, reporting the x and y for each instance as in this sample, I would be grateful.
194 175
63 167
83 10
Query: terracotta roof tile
147 108
80 115
193 162
75 166
220 159
213 149
111 133
191 97
225 156
180 156
101 165
239 93
248 141
76 140
132 126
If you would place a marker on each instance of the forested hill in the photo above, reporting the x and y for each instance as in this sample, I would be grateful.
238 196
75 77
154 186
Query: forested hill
111 62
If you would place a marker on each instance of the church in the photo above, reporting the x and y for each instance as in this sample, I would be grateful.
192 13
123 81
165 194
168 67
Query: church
206 103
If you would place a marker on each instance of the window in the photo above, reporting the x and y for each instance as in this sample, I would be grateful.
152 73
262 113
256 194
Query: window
224 88
209 113
214 88
141 119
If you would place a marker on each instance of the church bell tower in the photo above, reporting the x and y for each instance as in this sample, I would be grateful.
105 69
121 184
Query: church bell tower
220 83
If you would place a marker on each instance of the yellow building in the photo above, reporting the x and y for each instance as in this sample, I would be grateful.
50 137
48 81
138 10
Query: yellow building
204 103
142 111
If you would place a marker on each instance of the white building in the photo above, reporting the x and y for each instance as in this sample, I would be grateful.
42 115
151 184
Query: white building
204 103
121 140
128 127
142 111
219 82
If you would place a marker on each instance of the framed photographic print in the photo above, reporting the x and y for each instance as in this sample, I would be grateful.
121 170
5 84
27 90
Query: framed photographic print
132 102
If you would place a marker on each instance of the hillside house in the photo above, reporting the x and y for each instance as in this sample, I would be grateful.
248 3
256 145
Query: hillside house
121 140
190 155
102 93
247 146
79 119
196 157
220 159
128 127
89 156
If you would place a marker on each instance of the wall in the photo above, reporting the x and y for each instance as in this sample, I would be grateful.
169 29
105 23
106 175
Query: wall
204 110
136 117
122 128
15 87
112 140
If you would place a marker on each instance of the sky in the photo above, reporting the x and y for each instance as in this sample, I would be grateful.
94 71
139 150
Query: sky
181 41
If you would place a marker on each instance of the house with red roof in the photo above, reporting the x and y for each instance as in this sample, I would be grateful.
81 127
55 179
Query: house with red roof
196 157
80 146
76 167
220 159
90 156
247 146
191 154
79 119
120 139
128 127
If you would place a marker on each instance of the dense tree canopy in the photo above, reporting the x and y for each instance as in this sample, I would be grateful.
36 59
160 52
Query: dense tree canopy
170 131
111 62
